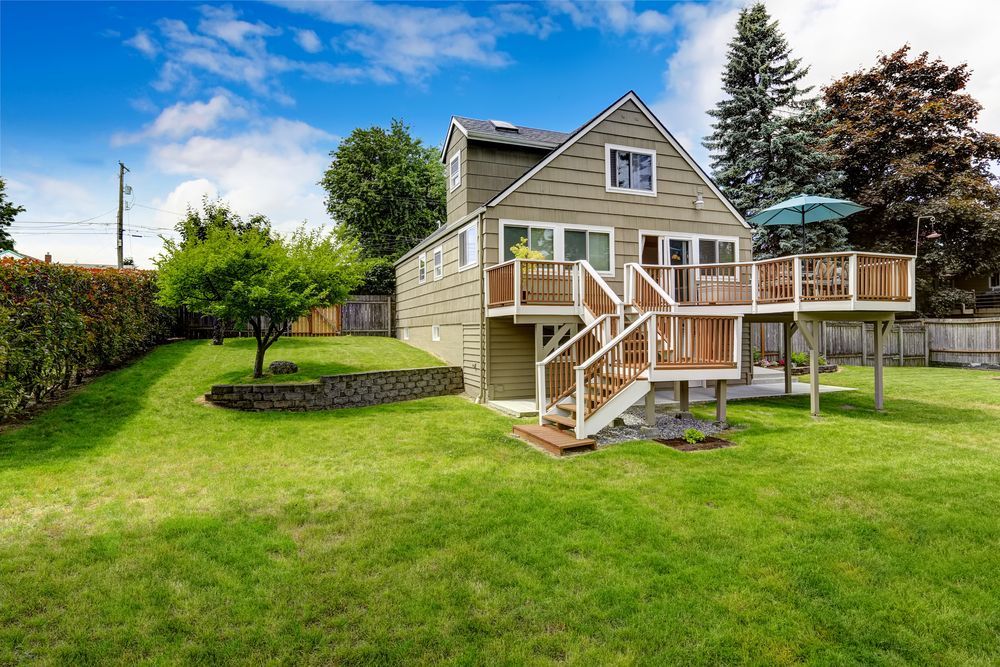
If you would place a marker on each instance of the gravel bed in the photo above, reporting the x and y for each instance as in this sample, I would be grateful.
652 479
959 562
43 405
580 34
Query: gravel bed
667 426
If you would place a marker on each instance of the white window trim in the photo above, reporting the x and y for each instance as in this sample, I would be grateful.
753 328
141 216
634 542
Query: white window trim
693 238
422 268
406 333
475 233
993 281
607 170
558 238
438 266
454 184
436 333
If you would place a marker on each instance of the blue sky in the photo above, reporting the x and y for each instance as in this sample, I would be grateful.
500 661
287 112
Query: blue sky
245 100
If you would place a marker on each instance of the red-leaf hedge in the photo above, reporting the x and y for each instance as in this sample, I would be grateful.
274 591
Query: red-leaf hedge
58 323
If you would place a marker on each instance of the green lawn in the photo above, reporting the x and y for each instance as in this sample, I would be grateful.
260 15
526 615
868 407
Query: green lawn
315 357
138 525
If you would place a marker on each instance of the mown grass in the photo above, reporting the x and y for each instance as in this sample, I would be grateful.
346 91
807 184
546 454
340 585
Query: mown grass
137 525
316 357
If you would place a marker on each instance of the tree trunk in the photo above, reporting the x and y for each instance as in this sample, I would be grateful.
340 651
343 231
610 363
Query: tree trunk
258 363
218 332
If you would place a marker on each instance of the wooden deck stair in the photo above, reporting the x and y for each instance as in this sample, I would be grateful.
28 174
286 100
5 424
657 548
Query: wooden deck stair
553 438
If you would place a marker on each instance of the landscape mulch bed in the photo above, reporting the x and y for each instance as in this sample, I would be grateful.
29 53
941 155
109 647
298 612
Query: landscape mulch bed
682 445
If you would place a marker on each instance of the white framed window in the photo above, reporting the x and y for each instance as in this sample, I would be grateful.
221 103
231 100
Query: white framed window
593 246
422 268
538 237
406 333
630 170
455 171
436 332
995 281
468 247
563 242
438 263
676 248
716 251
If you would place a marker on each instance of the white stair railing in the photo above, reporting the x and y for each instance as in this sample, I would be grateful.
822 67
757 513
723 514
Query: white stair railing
644 293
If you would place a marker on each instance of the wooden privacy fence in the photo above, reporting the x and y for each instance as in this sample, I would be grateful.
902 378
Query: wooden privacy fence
961 342
945 342
850 343
320 322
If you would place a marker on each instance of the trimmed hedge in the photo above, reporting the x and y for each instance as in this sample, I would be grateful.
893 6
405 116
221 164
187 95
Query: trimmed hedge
58 323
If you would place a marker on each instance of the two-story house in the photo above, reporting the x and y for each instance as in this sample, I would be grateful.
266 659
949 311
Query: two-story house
646 278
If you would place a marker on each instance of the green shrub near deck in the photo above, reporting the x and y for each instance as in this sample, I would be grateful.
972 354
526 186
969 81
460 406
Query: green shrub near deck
59 322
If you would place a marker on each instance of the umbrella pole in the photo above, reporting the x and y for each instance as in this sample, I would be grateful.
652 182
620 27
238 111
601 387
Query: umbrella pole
803 232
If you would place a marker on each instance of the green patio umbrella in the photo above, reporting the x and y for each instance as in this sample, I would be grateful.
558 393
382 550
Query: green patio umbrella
805 209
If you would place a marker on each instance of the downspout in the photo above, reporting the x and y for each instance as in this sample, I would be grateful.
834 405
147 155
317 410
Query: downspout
483 350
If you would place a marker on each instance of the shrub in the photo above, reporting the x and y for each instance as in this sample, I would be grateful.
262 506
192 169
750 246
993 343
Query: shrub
58 323
693 436
802 359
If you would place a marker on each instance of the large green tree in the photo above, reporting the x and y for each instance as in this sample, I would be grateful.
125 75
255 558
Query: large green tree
905 133
387 190
259 278
767 139
8 211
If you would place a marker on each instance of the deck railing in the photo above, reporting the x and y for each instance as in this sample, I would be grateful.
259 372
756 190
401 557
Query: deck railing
815 278
557 376
695 341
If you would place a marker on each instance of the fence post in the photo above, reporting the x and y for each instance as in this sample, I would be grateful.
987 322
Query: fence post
899 327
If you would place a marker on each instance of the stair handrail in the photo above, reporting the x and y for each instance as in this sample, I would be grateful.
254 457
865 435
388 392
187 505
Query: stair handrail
587 269
540 380
638 271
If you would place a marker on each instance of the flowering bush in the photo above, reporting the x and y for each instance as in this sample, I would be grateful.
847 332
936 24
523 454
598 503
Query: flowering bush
58 323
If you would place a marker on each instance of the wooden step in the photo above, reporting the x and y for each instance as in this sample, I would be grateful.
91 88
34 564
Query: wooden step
553 439
560 420
568 407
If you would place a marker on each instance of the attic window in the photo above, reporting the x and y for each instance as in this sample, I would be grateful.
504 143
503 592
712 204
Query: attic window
503 126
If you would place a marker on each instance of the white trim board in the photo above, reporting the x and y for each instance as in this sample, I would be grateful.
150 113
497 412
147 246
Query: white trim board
628 97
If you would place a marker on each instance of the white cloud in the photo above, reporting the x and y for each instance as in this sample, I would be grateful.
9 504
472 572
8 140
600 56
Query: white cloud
183 119
309 41
617 16
414 41
272 168
143 43
834 37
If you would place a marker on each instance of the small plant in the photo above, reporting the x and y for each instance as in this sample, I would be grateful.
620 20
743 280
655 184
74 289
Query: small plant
520 250
693 436
800 358
757 356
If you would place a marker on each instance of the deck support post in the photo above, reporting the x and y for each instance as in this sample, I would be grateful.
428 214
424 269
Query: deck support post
651 405
787 329
810 331
720 399
681 395
880 328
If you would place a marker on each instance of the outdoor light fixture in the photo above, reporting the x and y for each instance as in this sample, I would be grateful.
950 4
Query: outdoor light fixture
699 202
933 235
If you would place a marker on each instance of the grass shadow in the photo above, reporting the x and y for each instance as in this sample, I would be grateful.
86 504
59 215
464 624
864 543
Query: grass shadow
92 416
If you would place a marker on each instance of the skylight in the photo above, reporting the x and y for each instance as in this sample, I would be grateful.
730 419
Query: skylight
503 126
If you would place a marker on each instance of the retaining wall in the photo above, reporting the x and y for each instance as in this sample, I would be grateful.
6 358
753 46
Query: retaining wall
341 391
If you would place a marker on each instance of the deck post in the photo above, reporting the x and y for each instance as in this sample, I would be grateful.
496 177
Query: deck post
810 331
786 331
879 343
720 400
651 405
681 395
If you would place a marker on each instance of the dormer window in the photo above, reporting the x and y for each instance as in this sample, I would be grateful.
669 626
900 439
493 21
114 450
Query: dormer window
630 170
455 171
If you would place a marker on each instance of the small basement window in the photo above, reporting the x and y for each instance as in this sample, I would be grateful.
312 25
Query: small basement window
436 332
406 333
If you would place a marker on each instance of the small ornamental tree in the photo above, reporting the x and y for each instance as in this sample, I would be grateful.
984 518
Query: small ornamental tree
258 278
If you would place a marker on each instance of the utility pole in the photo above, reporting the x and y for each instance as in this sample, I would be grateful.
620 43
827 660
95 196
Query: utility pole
121 212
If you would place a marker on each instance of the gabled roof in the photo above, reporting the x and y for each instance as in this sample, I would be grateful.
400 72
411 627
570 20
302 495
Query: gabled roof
486 130
571 139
